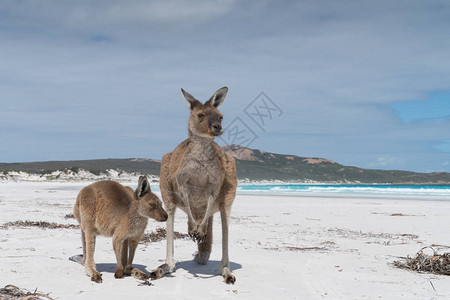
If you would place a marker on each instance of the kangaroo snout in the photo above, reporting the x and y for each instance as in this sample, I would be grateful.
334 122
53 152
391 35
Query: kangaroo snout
217 129
164 216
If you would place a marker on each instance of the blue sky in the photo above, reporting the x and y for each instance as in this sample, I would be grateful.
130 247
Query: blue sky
436 107
364 83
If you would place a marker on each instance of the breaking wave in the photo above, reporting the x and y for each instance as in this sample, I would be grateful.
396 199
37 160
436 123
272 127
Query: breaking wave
420 190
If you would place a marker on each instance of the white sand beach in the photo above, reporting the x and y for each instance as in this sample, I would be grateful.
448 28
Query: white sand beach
281 247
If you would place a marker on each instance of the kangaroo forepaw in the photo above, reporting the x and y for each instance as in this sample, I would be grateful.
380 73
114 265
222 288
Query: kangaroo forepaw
201 239
197 237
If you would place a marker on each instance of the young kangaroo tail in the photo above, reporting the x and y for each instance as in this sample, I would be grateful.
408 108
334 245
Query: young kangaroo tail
76 209
85 199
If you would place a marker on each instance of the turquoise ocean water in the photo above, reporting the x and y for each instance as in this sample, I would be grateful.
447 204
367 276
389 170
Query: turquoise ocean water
440 192
305 189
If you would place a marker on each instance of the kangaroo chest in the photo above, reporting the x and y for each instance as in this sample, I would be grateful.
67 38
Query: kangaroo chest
200 173
199 179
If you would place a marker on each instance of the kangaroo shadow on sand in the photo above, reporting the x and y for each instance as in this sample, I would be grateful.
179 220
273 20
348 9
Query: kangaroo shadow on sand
211 269
107 267
111 268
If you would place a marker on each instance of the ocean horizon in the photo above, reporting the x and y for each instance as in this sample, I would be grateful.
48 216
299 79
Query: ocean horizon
363 189
296 189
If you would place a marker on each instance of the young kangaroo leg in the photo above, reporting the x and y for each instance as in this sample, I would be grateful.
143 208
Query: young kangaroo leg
124 254
129 270
169 266
89 264
131 247
83 241
225 265
204 247
118 246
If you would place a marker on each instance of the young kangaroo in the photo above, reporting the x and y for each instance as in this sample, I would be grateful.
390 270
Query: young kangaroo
111 209
200 179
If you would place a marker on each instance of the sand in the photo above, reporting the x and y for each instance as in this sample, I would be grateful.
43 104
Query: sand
281 247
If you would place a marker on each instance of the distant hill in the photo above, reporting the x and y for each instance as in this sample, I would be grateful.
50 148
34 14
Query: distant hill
251 164
95 166
260 165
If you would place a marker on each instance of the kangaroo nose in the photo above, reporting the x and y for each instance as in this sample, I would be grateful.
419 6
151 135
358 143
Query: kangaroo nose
217 127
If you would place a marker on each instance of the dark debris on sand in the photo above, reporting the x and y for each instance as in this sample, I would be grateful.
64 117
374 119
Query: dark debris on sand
40 224
69 216
160 234
13 292
424 263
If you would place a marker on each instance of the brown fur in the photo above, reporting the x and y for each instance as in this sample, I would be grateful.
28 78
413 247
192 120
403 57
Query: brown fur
200 179
108 208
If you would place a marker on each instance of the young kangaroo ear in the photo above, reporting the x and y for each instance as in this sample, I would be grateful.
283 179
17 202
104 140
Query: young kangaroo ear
143 187
190 99
218 98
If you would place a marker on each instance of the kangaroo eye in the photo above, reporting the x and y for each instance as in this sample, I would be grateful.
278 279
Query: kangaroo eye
201 115
152 205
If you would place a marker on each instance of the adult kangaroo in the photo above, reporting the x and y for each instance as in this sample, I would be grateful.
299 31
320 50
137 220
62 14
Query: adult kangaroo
200 179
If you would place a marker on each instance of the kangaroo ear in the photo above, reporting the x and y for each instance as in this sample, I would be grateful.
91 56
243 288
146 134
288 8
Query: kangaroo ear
143 187
190 99
218 98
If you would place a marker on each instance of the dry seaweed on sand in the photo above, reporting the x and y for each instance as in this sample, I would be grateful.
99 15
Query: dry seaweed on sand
40 224
13 292
145 282
69 216
424 263
160 234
